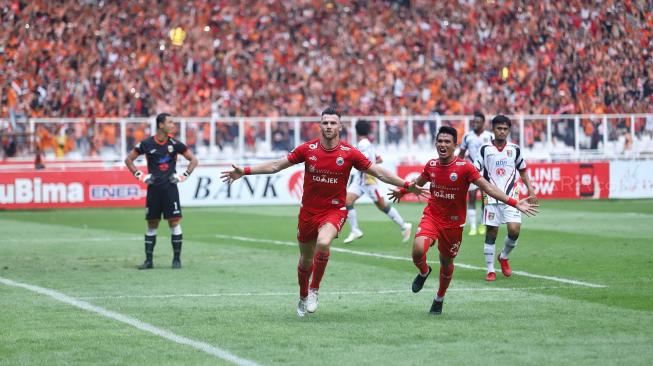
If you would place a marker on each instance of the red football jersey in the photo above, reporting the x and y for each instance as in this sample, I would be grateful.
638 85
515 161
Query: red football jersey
449 184
326 173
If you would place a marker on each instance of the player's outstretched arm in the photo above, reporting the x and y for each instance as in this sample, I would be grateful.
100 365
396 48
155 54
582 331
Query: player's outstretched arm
386 176
395 195
530 209
269 167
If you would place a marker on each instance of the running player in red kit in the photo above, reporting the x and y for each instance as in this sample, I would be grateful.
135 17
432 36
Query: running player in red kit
444 216
328 162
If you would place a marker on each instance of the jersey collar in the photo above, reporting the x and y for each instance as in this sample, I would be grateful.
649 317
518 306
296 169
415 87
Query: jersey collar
161 142
328 150
499 148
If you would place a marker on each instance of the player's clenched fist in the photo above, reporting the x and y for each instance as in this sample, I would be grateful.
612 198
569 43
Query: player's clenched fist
145 178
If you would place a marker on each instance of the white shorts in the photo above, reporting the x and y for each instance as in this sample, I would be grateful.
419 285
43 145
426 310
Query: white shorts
371 191
499 213
472 187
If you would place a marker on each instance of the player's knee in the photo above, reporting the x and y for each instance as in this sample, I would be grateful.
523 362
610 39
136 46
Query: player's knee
385 208
175 230
152 224
514 235
490 239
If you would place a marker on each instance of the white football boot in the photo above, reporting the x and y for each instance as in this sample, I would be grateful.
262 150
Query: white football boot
311 300
355 234
405 233
301 307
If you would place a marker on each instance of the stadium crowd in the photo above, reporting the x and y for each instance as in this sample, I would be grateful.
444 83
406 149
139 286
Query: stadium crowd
93 58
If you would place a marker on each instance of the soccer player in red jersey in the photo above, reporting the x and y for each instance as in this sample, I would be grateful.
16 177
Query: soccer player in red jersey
444 215
328 162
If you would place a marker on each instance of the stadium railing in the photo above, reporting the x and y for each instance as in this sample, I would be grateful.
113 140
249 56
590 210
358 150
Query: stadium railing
220 139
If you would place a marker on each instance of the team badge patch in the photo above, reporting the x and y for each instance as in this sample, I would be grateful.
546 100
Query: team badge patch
313 146
501 172
340 161
509 152
490 216
432 163
170 148
453 177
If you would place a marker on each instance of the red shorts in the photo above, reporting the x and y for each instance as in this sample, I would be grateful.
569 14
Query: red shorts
449 239
309 223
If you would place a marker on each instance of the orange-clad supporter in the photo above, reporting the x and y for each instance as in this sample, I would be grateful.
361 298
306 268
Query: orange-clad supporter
267 58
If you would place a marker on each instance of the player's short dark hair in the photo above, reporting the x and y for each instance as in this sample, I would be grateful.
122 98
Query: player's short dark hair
501 119
362 128
331 110
160 118
449 131
480 115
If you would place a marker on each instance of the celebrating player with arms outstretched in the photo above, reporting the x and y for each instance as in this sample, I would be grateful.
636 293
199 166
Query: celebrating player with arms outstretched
162 194
328 162
444 215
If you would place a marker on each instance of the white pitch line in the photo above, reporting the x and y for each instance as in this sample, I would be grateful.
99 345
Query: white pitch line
332 293
202 346
394 257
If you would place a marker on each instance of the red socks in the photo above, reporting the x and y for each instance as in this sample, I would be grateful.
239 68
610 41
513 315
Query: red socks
319 265
303 276
420 260
446 273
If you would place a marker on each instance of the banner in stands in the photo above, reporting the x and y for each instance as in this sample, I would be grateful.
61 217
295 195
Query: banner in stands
551 180
631 179
56 189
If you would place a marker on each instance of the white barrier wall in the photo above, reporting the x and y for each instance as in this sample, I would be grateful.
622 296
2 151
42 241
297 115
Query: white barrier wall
631 179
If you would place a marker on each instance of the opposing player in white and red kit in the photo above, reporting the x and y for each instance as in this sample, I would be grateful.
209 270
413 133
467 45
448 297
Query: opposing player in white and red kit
328 162
444 216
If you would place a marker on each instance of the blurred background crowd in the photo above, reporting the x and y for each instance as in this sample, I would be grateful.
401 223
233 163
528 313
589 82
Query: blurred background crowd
90 58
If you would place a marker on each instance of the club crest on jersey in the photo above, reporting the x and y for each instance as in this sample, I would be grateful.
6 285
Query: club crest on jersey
432 163
453 177
170 148
313 146
501 172
340 161
509 152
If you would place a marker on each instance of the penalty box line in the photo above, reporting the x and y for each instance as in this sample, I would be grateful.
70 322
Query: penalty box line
165 334
394 257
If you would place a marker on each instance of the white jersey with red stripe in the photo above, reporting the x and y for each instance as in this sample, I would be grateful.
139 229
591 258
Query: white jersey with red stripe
501 166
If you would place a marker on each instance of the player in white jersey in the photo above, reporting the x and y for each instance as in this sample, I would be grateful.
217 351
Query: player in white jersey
470 146
499 163
365 184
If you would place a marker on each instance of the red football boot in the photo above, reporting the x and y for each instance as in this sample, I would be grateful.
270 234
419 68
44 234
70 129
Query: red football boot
505 266
491 276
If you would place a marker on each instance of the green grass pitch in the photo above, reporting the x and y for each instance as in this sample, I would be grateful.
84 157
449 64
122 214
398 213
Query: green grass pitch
583 294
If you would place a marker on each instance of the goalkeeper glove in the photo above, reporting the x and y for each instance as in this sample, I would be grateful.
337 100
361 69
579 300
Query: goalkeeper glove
145 178
179 178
